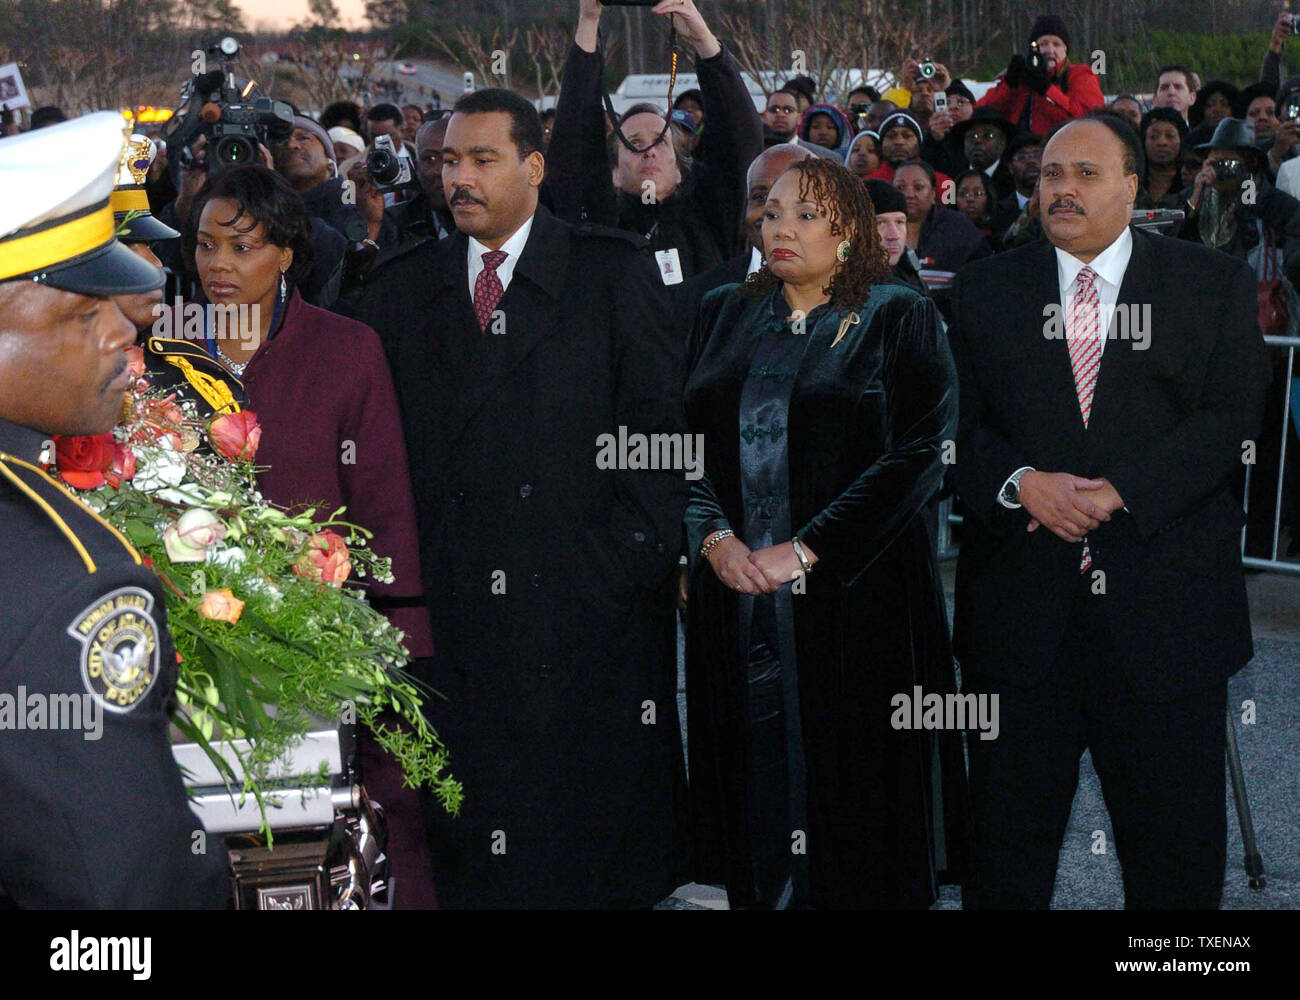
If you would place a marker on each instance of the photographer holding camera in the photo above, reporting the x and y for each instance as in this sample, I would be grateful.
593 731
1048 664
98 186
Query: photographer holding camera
1221 217
1038 92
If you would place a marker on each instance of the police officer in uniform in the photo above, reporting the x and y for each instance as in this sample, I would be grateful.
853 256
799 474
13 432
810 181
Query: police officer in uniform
95 812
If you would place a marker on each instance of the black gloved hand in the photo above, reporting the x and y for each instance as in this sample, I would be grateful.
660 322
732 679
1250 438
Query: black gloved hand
1036 79
1016 70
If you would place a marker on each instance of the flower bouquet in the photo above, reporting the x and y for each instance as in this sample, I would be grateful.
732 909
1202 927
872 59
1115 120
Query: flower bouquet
267 634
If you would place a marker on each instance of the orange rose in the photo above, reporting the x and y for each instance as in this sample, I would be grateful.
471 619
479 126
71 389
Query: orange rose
235 436
221 606
326 559
83 459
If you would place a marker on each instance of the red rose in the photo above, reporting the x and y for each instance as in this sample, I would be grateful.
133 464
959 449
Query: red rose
83 459
236 436
123 467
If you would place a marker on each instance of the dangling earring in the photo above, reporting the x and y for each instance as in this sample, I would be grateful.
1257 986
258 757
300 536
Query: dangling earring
842 251
284 288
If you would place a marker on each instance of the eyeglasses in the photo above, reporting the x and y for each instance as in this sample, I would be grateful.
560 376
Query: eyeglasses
971 195
782 109
983 134
1025 157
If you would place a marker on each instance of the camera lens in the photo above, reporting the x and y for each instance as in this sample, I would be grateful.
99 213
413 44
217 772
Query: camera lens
234 150
383 166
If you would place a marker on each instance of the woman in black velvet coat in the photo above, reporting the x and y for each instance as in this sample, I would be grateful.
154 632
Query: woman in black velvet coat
825 395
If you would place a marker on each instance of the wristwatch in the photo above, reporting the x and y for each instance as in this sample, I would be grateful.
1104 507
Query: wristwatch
1010 495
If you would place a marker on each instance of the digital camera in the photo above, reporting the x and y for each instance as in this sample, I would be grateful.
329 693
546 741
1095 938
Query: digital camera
389 169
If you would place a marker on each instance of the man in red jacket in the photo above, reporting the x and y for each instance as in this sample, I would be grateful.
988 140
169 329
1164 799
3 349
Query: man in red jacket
1038 98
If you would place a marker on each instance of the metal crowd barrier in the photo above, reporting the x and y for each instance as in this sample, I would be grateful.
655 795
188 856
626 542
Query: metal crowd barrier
947 549
1273 562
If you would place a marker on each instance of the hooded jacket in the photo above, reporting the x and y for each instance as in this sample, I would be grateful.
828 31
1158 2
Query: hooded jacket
842 131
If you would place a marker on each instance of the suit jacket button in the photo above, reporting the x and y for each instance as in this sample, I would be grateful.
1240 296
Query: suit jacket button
639 536
537 579
526 491
544 671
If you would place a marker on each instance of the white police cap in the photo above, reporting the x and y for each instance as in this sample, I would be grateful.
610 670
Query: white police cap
56 223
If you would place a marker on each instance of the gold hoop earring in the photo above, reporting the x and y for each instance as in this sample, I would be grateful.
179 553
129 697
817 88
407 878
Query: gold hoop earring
842 251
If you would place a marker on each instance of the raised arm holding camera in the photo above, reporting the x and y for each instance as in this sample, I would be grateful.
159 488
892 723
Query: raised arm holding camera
690 214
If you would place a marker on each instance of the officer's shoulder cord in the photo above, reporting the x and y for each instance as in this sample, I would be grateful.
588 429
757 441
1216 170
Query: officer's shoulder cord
214 391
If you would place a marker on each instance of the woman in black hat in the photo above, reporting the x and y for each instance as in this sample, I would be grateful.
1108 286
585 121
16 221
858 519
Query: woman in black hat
1038 98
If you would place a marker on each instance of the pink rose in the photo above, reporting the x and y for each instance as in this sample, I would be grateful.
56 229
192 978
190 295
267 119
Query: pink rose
235 436
190 537
135 360
326 559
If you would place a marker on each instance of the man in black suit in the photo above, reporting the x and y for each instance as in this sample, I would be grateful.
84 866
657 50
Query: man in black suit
516 344
985 136
1023 155
1099 589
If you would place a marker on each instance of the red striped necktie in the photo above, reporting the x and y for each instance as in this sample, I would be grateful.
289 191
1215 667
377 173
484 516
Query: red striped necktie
1084 335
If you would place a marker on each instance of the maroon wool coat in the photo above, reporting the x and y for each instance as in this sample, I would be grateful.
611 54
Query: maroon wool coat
319 382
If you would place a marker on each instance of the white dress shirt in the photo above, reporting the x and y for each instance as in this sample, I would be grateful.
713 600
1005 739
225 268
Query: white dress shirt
513 247
1109 266
755 261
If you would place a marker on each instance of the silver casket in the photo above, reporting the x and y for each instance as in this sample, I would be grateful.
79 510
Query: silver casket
329 838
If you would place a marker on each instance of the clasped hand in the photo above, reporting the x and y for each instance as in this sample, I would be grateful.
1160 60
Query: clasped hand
757 571
1068 506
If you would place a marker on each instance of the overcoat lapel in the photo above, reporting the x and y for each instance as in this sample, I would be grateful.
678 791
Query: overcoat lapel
1050 375
1119 362
531 312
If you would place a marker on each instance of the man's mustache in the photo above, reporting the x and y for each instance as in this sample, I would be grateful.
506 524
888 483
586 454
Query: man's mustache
1062 203
464 196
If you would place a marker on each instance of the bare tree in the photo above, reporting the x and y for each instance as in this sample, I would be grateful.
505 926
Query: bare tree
479 50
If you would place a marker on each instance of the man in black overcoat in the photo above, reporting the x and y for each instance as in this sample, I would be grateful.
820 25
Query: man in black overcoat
1100 589
515 345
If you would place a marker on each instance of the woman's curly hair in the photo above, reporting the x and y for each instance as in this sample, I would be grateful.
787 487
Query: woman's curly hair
842 196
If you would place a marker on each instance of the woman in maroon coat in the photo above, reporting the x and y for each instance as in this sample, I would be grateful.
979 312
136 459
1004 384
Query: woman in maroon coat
331 430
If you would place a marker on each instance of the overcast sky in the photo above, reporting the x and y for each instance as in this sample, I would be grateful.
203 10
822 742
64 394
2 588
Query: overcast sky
283 13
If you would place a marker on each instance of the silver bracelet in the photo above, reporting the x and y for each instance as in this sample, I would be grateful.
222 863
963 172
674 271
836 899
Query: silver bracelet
803 556
707 547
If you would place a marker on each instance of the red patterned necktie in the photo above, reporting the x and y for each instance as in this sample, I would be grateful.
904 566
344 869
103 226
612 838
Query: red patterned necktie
1083 334
487 288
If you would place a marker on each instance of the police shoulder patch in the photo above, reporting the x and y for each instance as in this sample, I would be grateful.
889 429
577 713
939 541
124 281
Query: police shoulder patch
119 648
